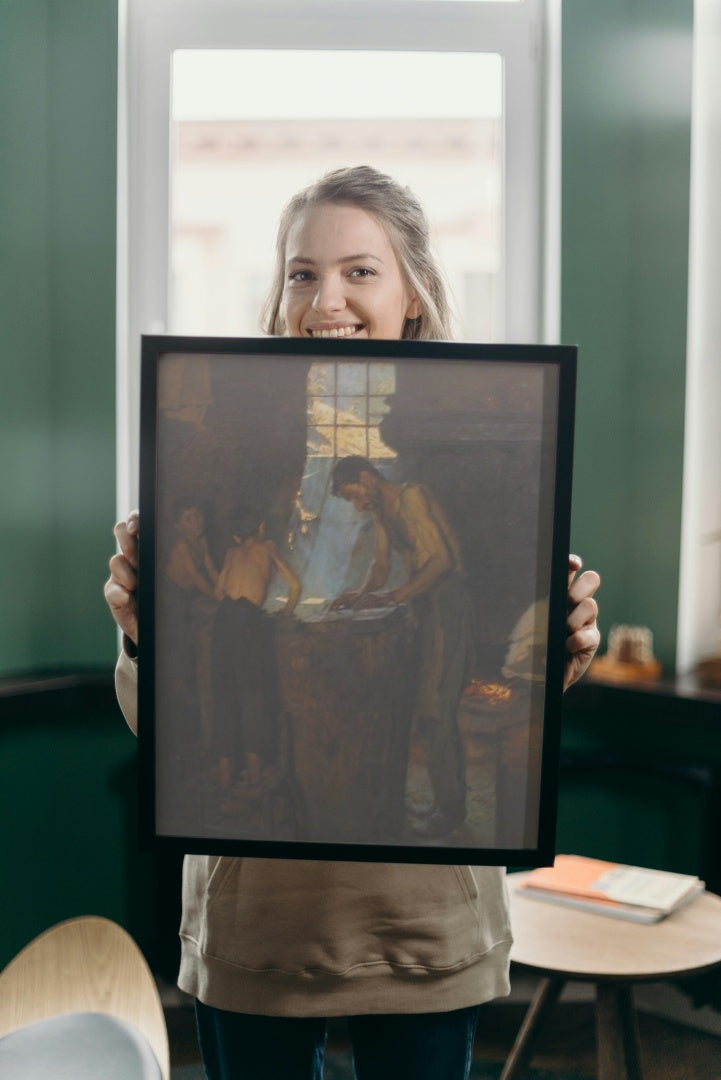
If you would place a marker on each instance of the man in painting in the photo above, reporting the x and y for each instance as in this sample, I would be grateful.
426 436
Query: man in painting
409 520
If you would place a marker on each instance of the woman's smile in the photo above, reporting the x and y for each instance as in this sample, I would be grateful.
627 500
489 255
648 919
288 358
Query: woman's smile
335 331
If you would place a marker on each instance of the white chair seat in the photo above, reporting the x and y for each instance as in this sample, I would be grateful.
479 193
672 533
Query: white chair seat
78 1046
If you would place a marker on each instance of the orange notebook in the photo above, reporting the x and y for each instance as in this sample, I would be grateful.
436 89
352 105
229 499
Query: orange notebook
632 892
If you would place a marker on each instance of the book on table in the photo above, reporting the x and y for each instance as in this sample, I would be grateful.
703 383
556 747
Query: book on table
609 888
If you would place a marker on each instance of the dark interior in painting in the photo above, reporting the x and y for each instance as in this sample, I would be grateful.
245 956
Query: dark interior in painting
347 763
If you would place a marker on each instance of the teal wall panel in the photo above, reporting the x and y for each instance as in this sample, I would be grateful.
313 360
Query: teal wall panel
625 206
82 304
58 78
25 392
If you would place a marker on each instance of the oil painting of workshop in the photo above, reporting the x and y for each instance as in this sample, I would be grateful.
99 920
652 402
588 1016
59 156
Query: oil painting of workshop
351 603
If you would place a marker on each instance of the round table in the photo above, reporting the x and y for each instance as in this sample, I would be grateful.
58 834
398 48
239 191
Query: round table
562 944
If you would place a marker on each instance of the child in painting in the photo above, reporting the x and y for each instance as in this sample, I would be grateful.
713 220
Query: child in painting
190 565
243 651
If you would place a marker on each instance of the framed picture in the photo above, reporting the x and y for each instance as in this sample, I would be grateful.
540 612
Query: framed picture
352 597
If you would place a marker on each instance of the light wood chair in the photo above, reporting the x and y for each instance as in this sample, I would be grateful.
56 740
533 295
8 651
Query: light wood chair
84 965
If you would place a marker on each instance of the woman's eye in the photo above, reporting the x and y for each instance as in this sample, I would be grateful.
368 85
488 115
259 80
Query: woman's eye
300 276
362 272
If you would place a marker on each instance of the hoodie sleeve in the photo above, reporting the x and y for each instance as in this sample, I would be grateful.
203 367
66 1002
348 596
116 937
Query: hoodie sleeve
126 688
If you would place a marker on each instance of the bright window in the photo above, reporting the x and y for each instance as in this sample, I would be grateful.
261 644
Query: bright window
235 161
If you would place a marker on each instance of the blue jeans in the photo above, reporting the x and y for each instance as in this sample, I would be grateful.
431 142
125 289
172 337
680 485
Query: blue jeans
416 1046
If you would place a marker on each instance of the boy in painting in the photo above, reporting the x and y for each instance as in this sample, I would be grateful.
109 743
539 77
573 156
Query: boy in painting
243 648
189 564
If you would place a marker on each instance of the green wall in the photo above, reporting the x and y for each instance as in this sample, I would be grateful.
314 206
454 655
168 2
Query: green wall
58 74
67 771
625 200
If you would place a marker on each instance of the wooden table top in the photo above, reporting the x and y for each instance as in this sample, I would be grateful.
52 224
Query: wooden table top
560 940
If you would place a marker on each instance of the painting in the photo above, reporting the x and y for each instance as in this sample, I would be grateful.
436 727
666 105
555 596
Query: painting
352 597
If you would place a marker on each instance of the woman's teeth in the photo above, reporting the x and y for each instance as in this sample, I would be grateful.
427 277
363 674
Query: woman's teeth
337 331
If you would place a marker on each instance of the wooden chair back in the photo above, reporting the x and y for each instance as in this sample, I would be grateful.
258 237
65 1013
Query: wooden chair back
87 964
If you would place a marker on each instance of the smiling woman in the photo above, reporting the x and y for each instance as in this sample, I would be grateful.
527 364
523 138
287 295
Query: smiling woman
353 259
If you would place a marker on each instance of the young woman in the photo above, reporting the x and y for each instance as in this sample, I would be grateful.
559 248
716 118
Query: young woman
271 948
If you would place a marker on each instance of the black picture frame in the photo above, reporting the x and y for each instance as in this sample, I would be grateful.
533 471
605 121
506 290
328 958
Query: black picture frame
343 733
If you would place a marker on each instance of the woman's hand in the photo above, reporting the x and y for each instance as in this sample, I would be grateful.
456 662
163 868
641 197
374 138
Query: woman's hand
121 587
583 636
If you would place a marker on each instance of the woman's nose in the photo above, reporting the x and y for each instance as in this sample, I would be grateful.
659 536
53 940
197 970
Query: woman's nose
329 296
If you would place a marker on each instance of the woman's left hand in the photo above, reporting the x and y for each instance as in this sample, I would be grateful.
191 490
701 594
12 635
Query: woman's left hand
583 636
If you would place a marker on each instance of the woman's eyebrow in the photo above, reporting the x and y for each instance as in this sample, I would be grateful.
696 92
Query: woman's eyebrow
361 257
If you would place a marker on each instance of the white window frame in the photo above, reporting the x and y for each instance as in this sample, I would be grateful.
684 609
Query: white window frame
526 34
699 596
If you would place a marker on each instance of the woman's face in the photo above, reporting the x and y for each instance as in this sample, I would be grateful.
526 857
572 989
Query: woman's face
342 277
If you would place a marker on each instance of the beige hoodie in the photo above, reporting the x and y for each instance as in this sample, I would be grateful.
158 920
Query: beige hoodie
285 937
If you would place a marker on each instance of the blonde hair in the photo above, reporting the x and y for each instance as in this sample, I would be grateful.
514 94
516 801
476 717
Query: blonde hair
403 217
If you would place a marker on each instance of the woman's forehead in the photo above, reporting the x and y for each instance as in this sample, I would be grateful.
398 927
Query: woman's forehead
336 230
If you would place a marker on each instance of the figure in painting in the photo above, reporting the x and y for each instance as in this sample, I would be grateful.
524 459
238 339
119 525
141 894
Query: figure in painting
409 520
243 656
189 564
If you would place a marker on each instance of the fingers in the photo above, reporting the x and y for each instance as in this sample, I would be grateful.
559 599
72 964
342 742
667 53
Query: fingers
123 607
121 587
583 636
582 613
123 572
126 534
348 599
581 647
575 562
582 607
586 641
584 586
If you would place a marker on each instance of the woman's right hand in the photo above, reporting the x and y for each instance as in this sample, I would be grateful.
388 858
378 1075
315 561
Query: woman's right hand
121 587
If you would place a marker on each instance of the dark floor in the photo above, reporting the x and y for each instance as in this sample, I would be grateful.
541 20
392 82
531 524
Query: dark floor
669 1051
567 1042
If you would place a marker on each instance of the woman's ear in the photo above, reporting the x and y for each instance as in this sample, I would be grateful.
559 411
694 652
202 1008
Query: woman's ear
415 309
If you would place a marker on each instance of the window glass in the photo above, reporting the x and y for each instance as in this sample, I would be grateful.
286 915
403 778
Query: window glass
346 405
238 154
